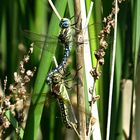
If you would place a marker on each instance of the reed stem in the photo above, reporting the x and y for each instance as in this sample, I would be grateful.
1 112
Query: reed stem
80 74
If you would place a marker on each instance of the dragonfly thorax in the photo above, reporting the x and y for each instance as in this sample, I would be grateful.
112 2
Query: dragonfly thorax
65 35
56 78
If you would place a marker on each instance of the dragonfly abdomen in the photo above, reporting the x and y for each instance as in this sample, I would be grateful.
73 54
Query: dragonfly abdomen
64 114
61 65
65 38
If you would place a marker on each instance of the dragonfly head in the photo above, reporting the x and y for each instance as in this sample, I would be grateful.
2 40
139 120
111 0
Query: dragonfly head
64 23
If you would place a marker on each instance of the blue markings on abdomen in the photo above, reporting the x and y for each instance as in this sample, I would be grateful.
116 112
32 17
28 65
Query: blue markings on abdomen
61 65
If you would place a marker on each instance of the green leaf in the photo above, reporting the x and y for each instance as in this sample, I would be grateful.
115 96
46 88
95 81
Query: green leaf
14 122
40 86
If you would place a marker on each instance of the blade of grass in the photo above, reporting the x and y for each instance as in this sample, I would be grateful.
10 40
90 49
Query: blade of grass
135 49
90 81
22 6
3 45
14 122
94 30
39 25
36 111
137 111
112 73
121 63
71 9
12 43
116 112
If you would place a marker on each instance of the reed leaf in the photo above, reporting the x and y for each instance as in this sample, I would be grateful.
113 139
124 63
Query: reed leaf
135 50
40 87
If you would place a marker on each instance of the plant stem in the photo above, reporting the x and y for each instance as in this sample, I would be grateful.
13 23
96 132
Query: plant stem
80 74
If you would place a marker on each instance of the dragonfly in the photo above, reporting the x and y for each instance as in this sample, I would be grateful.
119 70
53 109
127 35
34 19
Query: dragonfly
65 38
59 93
58 90
62 85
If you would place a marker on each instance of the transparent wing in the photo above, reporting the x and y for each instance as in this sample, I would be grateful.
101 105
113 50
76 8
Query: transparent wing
39 37
41 41
45 98
67 104
45 42
95 28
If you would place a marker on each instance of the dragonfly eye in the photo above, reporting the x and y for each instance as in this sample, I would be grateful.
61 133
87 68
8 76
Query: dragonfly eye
64 23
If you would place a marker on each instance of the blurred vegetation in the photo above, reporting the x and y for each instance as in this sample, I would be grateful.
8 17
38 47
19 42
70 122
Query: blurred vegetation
37 16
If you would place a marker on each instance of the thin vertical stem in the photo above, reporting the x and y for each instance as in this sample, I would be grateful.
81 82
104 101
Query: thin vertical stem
112 73
55 61
89 14
54 9
80 74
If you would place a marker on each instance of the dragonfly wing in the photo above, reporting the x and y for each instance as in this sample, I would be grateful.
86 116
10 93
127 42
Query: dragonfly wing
95 27
37 37
70 108
43 98
41 41
68 104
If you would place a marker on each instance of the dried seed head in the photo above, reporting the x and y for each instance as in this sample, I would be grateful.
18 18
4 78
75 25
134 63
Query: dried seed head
0 110
29 73
21 64
95 98
107 29
6 123
34 70
112 23
96 74
31 48
21 115
103 44
19 105
22 90
6 103
1 119
12 88
104 20
22 70
16 102
26 79
91 90
12 107
5 83
101 61
109 18
26 58
101 34
17 130
1 97
99 54
17 77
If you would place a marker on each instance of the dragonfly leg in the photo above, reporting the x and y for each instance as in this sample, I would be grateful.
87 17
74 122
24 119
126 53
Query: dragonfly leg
77 19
